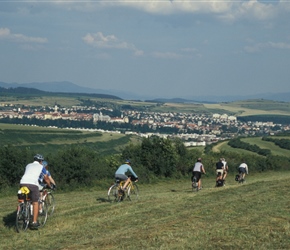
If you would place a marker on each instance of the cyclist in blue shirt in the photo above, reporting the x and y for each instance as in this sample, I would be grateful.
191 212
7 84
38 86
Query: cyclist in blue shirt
45 172
121 173
43 183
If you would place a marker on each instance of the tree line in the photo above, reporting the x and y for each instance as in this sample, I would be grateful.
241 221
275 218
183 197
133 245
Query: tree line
153 159
282 143
237 143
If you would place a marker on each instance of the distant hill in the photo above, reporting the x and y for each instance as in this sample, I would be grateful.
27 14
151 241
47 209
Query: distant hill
33 91
69 87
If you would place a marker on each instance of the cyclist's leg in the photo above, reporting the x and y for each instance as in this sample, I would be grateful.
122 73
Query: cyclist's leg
198 175
225 175
123 177
126 183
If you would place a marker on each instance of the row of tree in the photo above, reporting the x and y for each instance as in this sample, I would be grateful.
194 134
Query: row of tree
282 143
152 159
237 143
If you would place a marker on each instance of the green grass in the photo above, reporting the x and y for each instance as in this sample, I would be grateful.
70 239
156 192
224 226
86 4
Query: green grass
168 215
223 146
275 150
50 140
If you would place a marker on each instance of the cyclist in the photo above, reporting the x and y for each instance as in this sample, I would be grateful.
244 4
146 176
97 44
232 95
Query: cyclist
42 182
30 180
121 171
197 170
226 168
243 170
219 171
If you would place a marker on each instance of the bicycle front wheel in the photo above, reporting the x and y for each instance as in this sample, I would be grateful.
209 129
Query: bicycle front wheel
50 203
113 193
22 217
42 215
133 192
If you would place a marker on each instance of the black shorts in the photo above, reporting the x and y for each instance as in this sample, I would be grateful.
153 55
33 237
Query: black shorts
242 170
197 175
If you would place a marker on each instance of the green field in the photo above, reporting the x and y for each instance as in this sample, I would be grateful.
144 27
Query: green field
168 215
253 107
50 140
275 150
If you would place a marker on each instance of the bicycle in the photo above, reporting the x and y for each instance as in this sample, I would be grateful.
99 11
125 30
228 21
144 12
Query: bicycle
48 197
239 178
194 184
115 192
24 214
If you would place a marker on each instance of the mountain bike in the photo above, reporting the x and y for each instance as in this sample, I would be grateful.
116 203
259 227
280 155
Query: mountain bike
116 193
24 213
48 197
194 184
239 178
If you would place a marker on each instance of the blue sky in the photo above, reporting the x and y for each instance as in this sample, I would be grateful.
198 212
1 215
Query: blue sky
157 48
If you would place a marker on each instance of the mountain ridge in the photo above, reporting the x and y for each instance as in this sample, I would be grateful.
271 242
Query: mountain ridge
69 87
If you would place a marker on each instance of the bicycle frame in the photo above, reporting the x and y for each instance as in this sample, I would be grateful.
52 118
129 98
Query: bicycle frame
115 191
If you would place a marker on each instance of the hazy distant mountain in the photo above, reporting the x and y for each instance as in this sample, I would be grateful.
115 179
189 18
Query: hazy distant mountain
68 87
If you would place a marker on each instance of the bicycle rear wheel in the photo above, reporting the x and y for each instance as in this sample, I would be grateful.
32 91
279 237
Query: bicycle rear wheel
50 201
113 193
22 217
42 216
194 184
133 192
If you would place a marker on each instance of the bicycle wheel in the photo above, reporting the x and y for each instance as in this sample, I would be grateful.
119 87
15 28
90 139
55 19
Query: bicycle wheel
22 217
50 203
133 192
113 193
194 184
42 216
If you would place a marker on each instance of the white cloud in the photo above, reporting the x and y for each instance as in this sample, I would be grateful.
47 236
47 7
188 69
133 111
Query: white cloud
268 45
101 41
167 55
224 9
5 34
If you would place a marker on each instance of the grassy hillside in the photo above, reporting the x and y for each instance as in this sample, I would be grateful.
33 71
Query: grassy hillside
253 107
275 150
168 215
49 140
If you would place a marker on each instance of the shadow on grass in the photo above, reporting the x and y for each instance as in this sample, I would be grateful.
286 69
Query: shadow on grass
101 199
9 220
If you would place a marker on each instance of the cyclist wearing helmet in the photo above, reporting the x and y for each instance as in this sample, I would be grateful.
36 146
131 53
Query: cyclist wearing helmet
41 180
30 180
120 173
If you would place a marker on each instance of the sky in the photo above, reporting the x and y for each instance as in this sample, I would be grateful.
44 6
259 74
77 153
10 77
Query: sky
170 49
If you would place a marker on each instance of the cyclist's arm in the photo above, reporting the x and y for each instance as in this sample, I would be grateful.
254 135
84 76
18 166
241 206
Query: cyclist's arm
132 172
51 180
